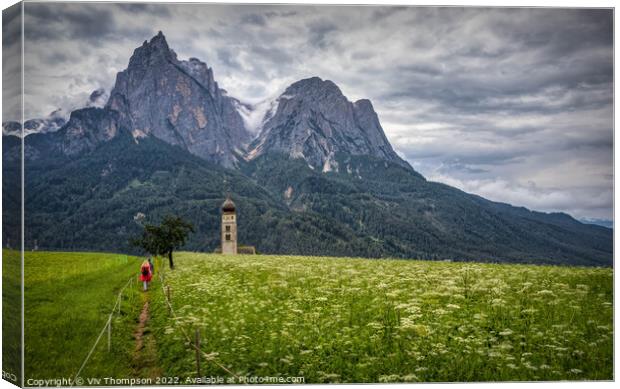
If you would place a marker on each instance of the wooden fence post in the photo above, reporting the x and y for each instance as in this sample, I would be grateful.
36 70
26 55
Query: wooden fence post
168 298
197 344
110 334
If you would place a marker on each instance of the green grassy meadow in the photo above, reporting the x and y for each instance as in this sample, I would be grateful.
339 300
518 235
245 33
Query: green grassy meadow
326 319
11 315
68 297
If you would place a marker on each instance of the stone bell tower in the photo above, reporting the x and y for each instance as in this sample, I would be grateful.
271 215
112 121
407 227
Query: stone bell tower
229 227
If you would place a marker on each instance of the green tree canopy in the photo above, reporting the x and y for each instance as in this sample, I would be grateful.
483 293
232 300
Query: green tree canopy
163 239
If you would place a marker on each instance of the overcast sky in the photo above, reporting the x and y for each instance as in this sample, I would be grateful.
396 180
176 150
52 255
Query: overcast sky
511 104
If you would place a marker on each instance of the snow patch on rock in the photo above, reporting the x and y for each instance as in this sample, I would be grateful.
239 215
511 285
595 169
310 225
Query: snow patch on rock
256 115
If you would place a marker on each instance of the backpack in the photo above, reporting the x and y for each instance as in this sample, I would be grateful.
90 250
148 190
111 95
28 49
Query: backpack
145 270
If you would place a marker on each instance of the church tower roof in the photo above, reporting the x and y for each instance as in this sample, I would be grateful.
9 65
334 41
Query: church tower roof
228 205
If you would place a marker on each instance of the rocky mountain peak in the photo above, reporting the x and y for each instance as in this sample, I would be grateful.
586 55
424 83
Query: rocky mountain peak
316 94
316 122
202 74
314 85
364 104
178 102
151 52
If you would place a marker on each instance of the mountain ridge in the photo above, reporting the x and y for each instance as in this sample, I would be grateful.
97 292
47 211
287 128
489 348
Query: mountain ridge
319 178
188 108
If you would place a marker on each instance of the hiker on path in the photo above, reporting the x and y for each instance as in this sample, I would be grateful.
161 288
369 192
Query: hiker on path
146 274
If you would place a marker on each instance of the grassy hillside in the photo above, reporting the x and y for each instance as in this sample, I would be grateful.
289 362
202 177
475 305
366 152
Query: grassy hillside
68 297
358 320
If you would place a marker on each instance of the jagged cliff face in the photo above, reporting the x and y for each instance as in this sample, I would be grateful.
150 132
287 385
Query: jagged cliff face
178 102
315 121
87 128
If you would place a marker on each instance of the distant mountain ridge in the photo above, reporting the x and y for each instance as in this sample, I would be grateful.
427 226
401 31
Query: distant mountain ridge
316 175
51 123
598 222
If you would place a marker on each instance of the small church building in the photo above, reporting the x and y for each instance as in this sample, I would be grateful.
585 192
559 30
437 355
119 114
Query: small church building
229 227
229 231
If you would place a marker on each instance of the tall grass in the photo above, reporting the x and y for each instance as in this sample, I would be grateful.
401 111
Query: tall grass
11 315
355 320
68 297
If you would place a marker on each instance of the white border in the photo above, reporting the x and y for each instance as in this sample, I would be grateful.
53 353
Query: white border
475 3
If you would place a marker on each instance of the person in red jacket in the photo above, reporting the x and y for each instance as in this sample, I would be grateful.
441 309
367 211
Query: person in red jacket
146 274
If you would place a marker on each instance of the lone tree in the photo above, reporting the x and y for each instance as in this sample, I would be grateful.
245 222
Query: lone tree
164 238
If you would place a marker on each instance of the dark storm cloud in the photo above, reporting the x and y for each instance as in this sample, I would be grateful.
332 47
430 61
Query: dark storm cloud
51 22
422 70
11 63
515 104
228 57
255 19
469 74
140 8
283 14
362 55
94 23
54 56
469 156
271 54
214 33
319 31
459 97
383 13
453 165
11 27
564 33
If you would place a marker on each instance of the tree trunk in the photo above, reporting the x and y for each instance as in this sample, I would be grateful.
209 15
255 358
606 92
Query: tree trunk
170 259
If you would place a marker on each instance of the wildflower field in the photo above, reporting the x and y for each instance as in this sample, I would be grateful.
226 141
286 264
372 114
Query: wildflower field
361 320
